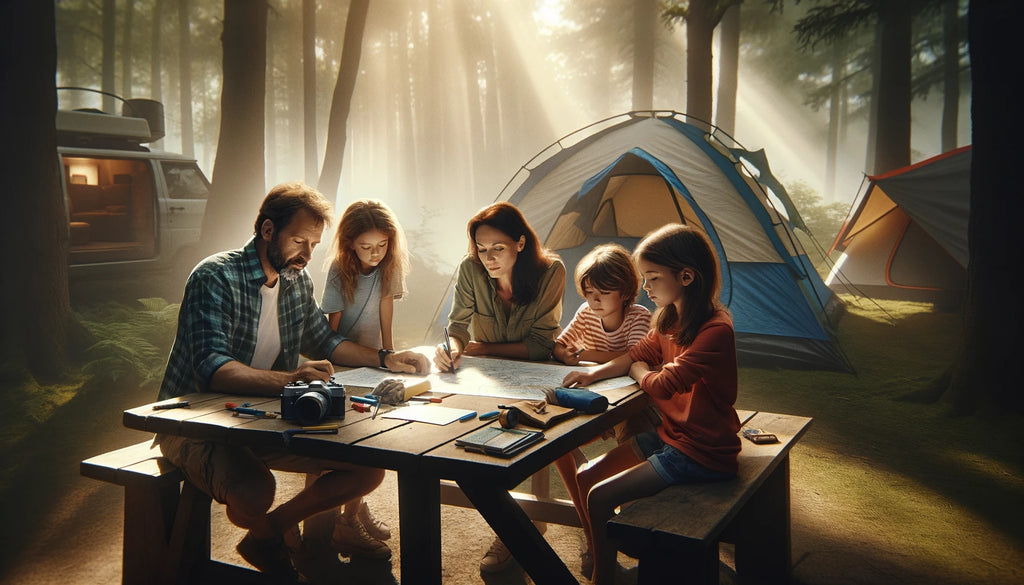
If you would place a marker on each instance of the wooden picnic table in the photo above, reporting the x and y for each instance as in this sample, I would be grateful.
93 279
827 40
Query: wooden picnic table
422 454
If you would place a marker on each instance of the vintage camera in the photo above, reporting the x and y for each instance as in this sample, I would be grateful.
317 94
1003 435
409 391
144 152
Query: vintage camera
310 403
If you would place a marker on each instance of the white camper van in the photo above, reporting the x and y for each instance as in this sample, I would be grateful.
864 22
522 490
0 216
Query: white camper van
128 207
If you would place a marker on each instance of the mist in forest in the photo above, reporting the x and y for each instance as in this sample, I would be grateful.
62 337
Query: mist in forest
453 97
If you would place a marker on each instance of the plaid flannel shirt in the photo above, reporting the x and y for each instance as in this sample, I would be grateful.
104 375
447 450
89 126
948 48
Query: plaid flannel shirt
220 313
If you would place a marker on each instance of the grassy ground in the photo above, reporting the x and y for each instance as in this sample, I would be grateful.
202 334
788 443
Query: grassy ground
883 489
933 497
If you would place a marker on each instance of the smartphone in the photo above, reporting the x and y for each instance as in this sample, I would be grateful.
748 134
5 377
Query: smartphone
759 437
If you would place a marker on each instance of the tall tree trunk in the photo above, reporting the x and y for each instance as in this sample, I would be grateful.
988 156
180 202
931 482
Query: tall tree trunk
834 121
35 306
728 70
239 171
893 138
699 32
986 374
156 88
126 49
109 49
185 78
407 114
341 102
872 141
309 89
645 16
271 156
950 73
293 94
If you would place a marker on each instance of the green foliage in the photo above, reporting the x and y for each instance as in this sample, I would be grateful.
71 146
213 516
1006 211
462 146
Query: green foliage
130 341
823 219
28 404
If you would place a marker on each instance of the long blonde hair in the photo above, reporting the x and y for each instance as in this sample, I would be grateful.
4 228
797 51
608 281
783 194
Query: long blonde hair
360 217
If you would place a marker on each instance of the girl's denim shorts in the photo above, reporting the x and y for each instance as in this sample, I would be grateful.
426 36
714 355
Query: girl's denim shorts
672 464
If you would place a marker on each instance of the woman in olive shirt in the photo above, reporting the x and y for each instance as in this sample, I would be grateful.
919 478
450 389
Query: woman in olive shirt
510 290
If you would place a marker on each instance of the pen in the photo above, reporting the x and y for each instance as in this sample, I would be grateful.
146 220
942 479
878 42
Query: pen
490 415
320 428
376 407
425 399
467 416
448 349
170 405
249 411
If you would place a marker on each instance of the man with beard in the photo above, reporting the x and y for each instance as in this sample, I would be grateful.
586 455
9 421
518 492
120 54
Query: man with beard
245 318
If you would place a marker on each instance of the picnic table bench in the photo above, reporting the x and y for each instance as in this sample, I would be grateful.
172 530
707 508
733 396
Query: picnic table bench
675 533
166 520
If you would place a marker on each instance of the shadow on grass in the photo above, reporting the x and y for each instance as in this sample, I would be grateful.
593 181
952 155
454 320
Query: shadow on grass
972 462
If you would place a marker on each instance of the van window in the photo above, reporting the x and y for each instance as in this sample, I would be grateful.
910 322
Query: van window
110 209
185 181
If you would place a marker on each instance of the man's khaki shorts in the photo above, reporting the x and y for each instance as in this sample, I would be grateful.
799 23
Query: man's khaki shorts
196 460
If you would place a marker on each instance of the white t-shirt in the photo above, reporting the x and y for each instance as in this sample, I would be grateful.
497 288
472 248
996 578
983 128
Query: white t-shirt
268 333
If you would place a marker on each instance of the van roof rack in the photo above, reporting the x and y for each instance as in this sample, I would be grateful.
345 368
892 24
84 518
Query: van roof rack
140 121
96 129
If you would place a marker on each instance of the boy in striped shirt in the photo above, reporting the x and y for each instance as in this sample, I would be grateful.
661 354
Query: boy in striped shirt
608 323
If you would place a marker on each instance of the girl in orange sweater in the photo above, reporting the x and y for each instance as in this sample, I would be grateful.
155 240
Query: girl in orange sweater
687 365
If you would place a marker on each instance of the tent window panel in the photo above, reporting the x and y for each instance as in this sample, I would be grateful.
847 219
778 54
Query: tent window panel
628 209
920 262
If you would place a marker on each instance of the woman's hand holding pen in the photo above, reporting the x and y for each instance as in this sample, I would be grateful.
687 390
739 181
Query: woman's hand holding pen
447 359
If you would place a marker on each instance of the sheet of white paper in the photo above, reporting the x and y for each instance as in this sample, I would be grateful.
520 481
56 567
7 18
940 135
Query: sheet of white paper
428 413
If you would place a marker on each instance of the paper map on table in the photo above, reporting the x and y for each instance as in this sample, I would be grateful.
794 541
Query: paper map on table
482 376
510 379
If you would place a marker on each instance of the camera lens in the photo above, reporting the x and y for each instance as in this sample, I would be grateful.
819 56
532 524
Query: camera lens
312 407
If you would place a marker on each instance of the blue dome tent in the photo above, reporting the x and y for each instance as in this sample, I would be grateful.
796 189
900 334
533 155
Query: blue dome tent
620 178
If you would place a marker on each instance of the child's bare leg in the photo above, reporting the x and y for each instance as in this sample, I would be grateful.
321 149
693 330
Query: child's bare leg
620 458
636 482
567 466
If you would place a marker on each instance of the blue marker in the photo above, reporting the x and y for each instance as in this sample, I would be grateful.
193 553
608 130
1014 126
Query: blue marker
490 415
467 416
370 401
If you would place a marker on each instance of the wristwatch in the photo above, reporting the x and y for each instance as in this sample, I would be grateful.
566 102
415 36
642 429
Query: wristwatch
382 354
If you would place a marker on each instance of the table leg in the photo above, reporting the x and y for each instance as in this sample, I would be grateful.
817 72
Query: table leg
419 522
763 540
518 533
